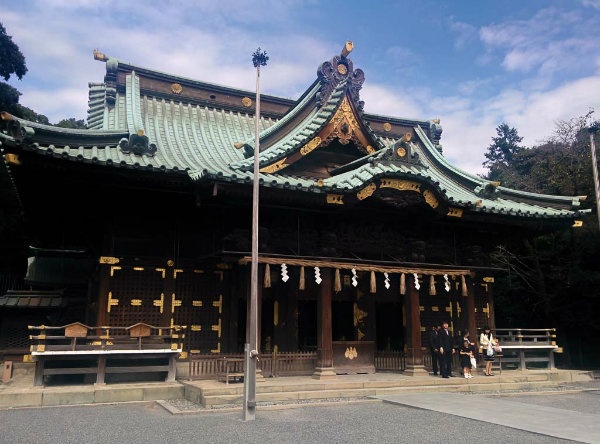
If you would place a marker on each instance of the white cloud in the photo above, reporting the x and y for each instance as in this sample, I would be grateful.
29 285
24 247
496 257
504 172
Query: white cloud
552 40
465 32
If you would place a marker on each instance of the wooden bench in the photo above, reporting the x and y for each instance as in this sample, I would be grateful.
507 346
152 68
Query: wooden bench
231 368
81 349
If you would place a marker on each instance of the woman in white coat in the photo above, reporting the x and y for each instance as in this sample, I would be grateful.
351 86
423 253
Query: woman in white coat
485 340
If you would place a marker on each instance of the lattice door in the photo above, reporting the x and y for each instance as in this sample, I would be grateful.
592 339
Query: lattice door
198 303
136 294
482 307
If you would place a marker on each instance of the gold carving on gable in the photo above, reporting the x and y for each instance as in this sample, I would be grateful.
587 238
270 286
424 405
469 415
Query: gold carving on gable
176 88
247 102
279 165
370 149
387 127
310 146
342 69
430 198
336 199
345 127
455 212
401 151
366 191
401 185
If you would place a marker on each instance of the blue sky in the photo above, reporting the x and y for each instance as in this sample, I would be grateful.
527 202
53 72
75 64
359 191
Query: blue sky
472 63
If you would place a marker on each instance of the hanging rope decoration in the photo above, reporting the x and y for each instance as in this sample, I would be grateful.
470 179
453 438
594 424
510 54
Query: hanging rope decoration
373 283
463 284
337 282
354 279
432 290
386 280
284 273
402 284
267 283
302 284
417 285
446 283
318 279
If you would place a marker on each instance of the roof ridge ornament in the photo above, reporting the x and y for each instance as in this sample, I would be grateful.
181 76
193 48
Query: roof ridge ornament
339 69
138 144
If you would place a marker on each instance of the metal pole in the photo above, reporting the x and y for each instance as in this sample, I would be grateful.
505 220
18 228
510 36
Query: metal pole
593 131
251 348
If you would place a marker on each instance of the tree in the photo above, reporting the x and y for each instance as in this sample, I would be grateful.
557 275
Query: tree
72 123
12 61
505 146
553 280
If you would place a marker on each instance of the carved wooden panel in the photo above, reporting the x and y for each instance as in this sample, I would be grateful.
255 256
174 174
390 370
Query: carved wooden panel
198 303
136 294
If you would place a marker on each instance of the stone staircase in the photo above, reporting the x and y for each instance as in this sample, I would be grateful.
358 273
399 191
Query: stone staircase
213 394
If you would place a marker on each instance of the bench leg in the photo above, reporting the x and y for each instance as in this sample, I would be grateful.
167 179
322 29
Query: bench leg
101 370
172 369
551 360
38 378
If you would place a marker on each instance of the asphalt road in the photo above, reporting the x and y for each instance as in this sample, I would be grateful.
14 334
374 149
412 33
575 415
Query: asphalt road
343 423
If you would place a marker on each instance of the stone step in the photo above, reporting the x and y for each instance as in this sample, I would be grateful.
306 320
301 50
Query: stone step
274 386
215 400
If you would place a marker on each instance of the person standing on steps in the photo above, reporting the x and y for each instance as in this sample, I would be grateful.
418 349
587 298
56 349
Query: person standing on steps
445 343
433 347
487 341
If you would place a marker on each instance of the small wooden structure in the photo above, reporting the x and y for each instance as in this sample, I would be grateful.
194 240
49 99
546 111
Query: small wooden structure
80 349
521 346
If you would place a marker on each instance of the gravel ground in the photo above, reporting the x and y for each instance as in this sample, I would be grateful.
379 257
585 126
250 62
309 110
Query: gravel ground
342 423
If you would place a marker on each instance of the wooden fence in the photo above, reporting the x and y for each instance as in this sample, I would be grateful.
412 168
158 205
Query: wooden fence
210 366
390 361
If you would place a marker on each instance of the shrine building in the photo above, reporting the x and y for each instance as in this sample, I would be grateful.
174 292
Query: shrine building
368 235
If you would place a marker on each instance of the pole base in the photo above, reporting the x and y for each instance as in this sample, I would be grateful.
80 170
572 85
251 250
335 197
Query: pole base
324 373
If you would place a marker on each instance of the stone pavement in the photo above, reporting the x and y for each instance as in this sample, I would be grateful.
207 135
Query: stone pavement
550 421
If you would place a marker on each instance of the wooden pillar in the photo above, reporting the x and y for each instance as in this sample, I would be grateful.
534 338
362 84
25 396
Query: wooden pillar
414 354
324 369
104 288
492 314
470 309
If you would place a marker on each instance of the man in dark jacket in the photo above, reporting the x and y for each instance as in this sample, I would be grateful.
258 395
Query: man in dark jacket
433 347
446 350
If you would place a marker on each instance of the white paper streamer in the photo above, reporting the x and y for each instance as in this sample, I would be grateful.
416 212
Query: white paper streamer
284 273
354 279
446 283
386 281
417 285
318 279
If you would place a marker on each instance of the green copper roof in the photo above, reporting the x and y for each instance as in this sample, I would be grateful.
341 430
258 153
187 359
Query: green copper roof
198 140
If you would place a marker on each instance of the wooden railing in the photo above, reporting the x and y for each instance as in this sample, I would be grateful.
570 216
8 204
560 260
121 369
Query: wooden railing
521 346
390 360
77 349
527 336
210 366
